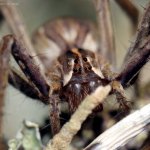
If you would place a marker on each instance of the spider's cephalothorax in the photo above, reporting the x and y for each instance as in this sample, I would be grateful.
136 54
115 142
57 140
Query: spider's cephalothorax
81 75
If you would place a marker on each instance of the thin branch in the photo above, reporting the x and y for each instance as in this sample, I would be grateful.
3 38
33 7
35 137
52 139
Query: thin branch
123 131
131 10
62 140
106 30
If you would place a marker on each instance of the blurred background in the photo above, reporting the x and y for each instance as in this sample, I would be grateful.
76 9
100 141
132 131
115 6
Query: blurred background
34 13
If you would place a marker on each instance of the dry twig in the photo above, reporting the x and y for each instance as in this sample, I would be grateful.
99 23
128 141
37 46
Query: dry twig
123 131
62 140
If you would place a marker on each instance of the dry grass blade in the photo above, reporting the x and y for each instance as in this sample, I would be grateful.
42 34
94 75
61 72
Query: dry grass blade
62 140
123 131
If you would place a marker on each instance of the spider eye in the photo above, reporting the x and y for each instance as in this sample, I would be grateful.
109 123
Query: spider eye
80 69
76 61
89 67
75 70
85 59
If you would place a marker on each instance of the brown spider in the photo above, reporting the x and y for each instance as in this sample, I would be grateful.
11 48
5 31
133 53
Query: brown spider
79 69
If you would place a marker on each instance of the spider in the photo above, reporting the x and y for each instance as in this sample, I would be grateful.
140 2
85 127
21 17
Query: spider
78 70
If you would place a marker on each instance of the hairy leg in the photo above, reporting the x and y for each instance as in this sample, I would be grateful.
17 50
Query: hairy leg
138 54
18 82
107 44
136 58
117 88
33 73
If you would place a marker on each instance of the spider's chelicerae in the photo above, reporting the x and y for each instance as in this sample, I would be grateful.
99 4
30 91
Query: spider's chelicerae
81 65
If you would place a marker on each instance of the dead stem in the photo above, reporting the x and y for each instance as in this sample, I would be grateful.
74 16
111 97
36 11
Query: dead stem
62 140
123 131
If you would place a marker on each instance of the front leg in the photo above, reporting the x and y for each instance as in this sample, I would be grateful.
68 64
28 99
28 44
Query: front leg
54 113
139 52
33 73
107 43
24 86
117 88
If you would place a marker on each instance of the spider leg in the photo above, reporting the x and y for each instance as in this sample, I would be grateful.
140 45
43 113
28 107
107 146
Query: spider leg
18 82
54 115
28 66
136 58
106 68
107 44
35 77
16 24
139 52
118 90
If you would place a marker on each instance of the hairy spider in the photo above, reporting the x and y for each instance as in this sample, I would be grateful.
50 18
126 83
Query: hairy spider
80 68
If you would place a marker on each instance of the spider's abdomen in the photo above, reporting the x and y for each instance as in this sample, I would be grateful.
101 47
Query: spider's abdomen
61 34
